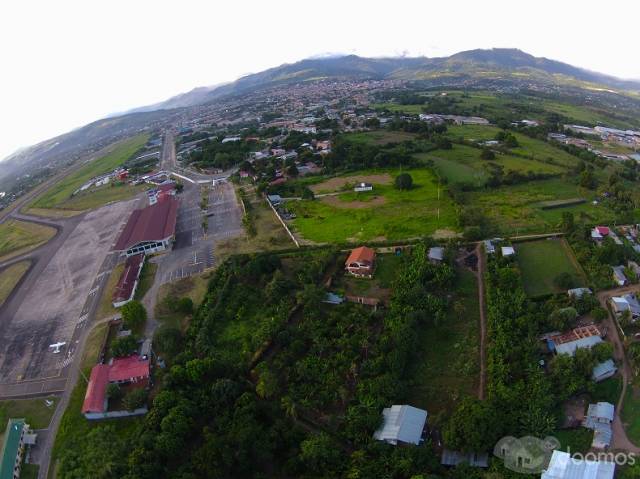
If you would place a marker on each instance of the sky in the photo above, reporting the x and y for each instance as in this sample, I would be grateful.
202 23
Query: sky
66 63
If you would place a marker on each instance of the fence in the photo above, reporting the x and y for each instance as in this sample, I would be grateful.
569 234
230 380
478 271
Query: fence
284 225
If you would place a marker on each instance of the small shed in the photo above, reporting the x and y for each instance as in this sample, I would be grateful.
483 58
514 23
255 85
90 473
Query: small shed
436 254
401 423
508 251
604 370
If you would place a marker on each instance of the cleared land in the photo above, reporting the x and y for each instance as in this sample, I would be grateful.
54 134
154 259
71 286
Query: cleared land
338 183
60 195
448 369
542 261
401 214
18 237
9 277
268 232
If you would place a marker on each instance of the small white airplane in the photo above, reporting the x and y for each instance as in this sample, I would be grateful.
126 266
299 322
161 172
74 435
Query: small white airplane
56 347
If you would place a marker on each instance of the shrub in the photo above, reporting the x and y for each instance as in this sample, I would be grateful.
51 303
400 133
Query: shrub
404 181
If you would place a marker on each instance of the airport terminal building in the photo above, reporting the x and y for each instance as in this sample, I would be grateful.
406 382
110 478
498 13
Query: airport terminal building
149 230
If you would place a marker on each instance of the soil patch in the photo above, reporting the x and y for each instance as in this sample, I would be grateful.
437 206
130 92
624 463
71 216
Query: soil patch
334 184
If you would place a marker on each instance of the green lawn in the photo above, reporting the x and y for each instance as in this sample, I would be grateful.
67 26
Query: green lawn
93 198
385 213
10 276
541 262
59 195
29 471
448 367
35 411
17 237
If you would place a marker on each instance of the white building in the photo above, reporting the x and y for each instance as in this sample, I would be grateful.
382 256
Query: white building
508 251
363 187
401 423
563 466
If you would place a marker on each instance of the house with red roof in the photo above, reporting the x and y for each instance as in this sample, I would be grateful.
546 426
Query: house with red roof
132 370
361 262
149 230
128 282
599 233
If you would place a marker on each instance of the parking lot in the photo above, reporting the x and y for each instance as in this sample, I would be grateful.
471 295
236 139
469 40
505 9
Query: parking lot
194 249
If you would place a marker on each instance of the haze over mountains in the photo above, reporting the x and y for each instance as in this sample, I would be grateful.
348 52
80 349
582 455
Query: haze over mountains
494 63
511 66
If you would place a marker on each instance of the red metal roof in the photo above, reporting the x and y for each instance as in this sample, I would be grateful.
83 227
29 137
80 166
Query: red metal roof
603 230
128 279
121 369
153 223
124 369
96 389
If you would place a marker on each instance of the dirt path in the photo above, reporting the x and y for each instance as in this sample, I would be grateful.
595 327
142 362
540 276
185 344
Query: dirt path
483 321
620 439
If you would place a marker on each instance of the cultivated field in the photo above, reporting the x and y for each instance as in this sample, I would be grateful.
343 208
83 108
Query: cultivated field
18 237
384 213
542 261
59 195
10 276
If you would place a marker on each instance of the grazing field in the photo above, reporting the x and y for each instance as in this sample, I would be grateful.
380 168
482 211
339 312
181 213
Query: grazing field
380 137
542 261
35 411
18 237
384 213
449 354
59 195
10 276
517 209
463 164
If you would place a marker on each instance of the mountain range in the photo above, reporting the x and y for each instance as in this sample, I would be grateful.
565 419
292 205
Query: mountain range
508 66
497 63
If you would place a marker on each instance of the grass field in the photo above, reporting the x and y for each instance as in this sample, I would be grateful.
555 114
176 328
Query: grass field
10 276
147 275
105 307
270 235
541 262
608 390
574 440
463 164
380 137
59 195
35 411
17 237
448 366
101 196
518 208
383 213
194 287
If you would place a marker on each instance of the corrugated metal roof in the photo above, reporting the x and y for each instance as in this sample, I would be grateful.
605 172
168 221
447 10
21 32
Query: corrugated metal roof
402 423
562 466
10 447
570 347
153 223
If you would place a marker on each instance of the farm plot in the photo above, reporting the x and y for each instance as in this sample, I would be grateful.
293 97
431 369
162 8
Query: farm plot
542 261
